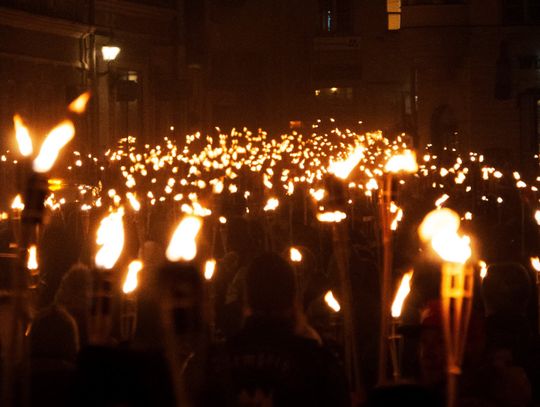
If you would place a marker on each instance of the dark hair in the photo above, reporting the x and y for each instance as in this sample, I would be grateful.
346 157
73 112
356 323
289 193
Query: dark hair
270 285
506 288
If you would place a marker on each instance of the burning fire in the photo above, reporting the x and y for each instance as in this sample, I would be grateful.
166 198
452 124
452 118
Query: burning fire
331 301
55 141
79 105
130 283
209 269
483 269
402 293
271 204
110 236
331 217
23 137
32 263
342 169
535 263
17 204
295 255
183 244
537 216
440 227
404 162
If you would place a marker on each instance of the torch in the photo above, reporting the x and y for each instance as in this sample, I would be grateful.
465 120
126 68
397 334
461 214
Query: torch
535 263
110 238
128 306
180 300
404 162
396 340
440 227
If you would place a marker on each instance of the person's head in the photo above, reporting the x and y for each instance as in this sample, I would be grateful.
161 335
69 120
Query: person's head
75 288
270 286
506 289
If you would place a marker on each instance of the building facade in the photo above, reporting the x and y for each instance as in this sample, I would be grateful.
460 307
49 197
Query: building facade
50 51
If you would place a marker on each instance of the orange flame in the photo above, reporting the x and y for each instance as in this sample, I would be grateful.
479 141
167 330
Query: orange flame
23 137
110 236
55 141
331 301
131 282
79 104
402 293
183 244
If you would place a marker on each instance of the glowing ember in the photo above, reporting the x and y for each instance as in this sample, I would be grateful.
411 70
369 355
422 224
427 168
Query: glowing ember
331 301
79 105
23 137
131 281
404 162
295 255
183 244
209 269
110 236
399 215
402 293
55 141
331 217
32 263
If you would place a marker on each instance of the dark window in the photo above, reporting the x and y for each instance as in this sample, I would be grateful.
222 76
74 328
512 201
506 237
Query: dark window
520 12
336 16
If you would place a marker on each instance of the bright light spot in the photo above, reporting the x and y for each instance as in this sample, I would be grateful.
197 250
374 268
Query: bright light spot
483 269
110 236
295 255
131 281
23 137
17 204
404 162
209 269
402 293
331 301
79 105
331 217
109 53
535 263
271 204
183 244
55 141
32 263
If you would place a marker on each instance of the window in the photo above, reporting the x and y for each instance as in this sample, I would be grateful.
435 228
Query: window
393 7
336 16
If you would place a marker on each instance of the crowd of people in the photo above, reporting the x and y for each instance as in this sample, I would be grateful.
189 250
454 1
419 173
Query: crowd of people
260 333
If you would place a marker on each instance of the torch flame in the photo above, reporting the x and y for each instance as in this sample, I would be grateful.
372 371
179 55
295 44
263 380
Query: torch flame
440 227
32 263
401 294
295 255
79 105
535 262
110 236
483 269
135 204
332 217
343 168
537 217
271 204
55 141
209 269
130 283
17 204
331 301
183 245
23 137
404 162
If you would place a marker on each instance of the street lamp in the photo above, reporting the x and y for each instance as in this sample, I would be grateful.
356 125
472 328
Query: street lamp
109 52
